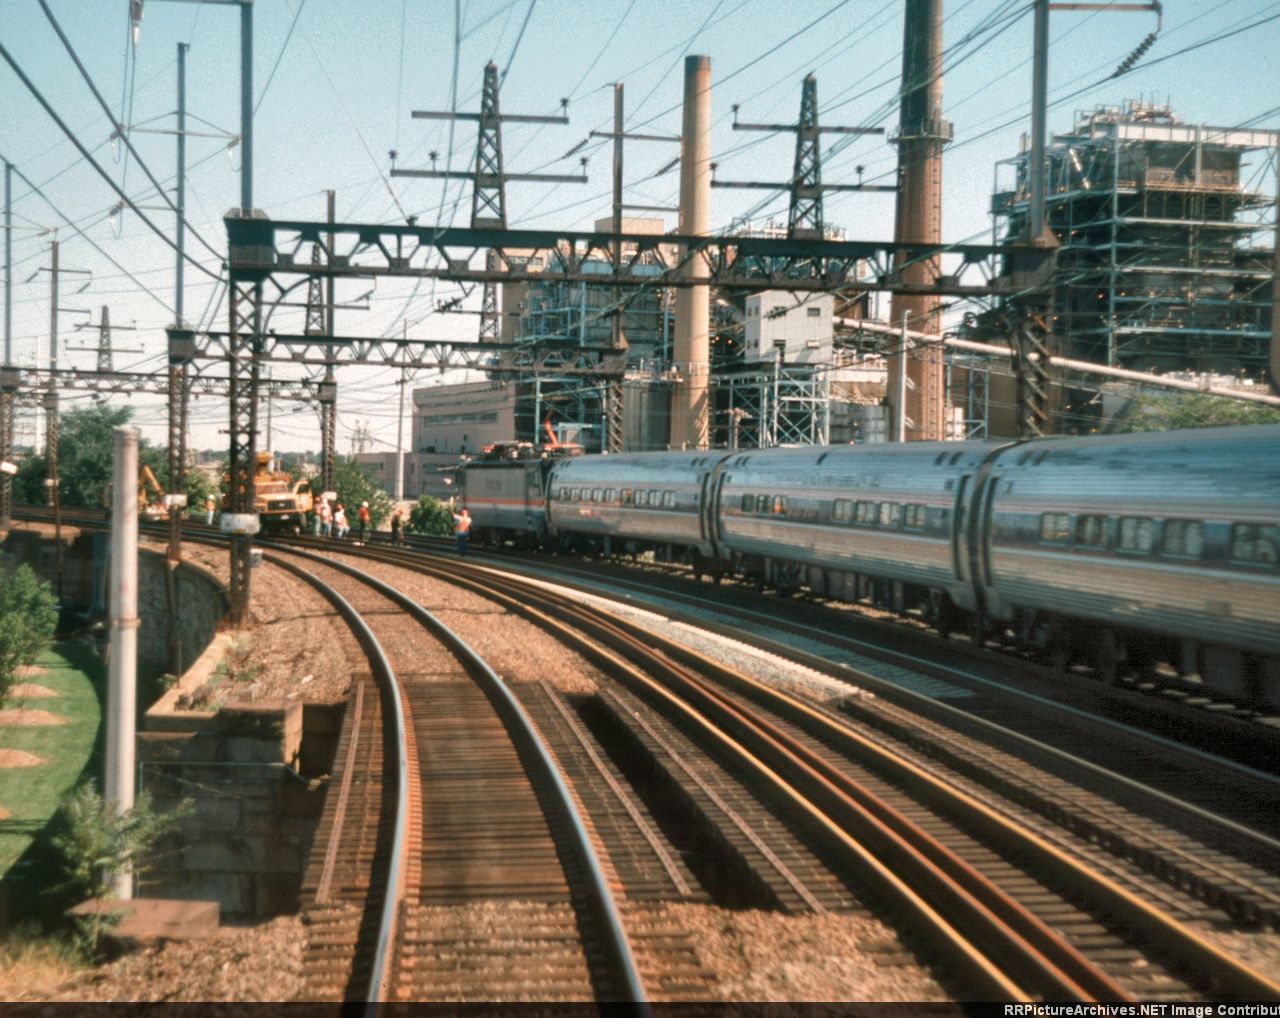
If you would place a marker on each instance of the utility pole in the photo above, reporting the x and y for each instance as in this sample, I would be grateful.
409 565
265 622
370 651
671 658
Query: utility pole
1031 335
404 380
689 424
613 389
319 322
922 133
122 675
52 412
8 374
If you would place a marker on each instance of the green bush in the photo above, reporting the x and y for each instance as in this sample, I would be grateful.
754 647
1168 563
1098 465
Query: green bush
28 619
431 516
97 840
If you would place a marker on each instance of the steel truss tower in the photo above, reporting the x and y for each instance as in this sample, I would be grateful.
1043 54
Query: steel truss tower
789 405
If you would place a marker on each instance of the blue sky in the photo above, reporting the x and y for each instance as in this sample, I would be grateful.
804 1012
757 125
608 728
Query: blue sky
337 80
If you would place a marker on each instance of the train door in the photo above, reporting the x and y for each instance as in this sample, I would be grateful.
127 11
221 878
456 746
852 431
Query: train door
709 509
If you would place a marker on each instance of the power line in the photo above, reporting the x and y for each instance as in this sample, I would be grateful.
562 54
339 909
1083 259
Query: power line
4 52
124 136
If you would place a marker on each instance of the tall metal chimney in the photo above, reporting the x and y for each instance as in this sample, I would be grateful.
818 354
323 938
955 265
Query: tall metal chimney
689 428
921 135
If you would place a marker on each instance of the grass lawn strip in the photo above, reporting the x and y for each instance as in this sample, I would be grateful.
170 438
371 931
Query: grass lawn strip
31 794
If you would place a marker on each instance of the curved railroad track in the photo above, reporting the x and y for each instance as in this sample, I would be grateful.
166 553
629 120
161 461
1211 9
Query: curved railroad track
810 812
888 806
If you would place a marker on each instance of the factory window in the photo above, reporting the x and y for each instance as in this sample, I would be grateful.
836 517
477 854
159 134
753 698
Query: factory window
1256 543
1136 533
668 500
841 510
1092 531
779 505
865 512
1055 527
762 504
890 514
627 495
748 503
914 517
1184 538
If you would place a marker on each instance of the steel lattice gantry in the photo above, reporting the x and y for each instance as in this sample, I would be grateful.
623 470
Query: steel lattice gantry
263 251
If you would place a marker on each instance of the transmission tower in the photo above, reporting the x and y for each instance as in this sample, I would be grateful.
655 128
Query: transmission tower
804 220
489 180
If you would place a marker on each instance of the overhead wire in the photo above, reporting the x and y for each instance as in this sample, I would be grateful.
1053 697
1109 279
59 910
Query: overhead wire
4 52
280 56
122 128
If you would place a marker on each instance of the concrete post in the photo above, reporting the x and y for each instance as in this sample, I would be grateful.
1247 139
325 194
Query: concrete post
122 675
692 356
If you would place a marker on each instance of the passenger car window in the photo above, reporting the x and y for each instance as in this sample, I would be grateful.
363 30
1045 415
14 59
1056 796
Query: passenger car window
1055 527
668 499
779 505
1091 531
865 512
1255 542
627 496
762 504
748 503
1136 533
914 516
890 514
1184 538
841 510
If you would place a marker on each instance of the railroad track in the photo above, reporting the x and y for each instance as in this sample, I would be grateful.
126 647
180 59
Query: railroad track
482 815
1069 929
807 814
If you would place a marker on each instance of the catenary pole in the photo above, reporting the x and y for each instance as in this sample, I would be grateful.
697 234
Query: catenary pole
122 689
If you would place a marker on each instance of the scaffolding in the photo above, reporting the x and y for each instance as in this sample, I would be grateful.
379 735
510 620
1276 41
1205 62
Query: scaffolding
782 405
1165 261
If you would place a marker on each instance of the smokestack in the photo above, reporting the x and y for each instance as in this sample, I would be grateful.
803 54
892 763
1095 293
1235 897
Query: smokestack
689 427
921 134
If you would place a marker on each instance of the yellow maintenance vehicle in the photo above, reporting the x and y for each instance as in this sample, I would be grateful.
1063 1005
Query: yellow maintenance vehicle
280 502
151 510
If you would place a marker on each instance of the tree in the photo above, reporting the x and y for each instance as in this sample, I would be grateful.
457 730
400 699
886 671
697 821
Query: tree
1166 413
86 452
28 619
354 486
430 516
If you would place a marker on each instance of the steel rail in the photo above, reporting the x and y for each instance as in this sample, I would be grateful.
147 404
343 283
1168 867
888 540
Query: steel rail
1184 945
393 895
984 971
534 752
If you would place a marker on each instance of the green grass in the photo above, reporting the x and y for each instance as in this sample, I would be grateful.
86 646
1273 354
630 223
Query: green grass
31 794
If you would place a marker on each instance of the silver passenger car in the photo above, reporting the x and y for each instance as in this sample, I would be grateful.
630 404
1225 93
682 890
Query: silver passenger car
825 516
651 499
1176 533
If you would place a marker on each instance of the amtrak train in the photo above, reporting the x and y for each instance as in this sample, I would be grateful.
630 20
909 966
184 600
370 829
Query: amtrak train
1130 551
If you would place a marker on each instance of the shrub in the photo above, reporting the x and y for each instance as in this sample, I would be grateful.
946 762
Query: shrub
430 516
28 619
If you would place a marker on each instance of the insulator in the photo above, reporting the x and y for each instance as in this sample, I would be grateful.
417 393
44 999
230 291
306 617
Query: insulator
670 166
576 149
1127 63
